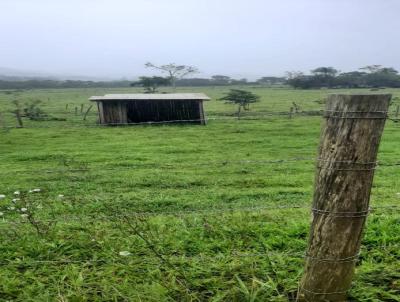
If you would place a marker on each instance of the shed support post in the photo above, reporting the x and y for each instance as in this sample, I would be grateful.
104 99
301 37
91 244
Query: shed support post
123 119
202 115
101 112
348 150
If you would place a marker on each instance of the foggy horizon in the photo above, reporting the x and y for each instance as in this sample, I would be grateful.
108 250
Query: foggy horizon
114 39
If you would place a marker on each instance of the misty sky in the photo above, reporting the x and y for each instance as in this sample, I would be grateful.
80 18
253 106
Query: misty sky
251 38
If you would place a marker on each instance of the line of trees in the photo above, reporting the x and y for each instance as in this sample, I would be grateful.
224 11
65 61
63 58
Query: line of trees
51 84
371 76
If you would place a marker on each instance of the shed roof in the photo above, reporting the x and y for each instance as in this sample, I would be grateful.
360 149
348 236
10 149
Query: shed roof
150 96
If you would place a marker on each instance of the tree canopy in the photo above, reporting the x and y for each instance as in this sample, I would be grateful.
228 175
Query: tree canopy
370 76
242 98
151 84
174 71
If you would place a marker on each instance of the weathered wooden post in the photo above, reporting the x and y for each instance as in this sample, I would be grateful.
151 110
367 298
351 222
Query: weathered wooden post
397 111
76 110
82 105
87 112
291 112
347 157
19 118
2 122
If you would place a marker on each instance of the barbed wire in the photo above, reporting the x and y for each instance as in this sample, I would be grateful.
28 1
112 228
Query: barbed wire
177 213
262 116
171 165
233 254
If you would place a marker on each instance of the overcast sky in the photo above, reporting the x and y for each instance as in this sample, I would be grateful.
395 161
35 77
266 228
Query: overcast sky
251 38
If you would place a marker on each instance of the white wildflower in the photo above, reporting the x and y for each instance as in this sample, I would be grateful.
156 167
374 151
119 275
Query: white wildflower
30 191
24 215
2 196
60 196
17 192
36 190
124 253
24 209
15 200
1 214
11 208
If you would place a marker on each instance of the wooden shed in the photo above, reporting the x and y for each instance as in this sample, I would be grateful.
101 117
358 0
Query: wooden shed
117 109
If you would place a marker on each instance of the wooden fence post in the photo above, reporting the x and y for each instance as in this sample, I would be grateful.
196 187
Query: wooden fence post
17 113
87 112
348 150
397 111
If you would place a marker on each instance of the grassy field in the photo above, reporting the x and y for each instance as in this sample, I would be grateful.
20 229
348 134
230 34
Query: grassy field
222 218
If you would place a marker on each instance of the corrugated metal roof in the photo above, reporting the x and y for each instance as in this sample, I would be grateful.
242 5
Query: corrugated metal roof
150 96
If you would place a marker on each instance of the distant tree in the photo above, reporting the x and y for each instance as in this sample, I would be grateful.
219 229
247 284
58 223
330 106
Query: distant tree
242 81
270 80
241 98
353 79
371 68
293 74
194 82
325 71
151 84
388 70
220 80
174 71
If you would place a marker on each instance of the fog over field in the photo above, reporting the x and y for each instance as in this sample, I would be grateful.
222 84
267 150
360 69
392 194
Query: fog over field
114 38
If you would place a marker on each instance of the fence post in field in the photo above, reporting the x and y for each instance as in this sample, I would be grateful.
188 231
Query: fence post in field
2 121
82 105
291 112
397 111
76 110
348 150
87 112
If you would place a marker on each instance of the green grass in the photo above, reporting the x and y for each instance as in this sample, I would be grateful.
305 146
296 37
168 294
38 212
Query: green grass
201 180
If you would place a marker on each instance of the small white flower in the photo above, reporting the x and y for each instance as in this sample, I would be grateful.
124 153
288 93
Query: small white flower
17 193
15 200
1 214
24 209
60 196
30 191
11 208
24 215
36 190
124 253
2 196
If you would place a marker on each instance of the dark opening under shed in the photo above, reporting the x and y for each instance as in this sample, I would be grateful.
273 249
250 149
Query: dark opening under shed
117 109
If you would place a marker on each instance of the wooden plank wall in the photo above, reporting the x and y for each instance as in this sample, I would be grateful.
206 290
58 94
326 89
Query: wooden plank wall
124 112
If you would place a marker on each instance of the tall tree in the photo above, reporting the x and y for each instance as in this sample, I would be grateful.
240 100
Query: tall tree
241 98
174 71
371 68
325 71
270 80
220 80
151 84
